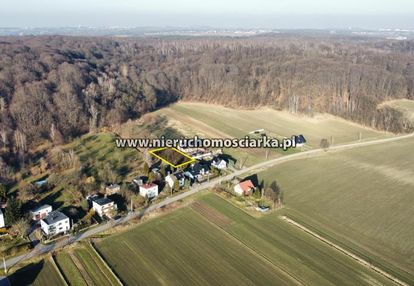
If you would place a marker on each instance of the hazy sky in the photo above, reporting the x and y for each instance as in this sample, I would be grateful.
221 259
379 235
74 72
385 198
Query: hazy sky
218 13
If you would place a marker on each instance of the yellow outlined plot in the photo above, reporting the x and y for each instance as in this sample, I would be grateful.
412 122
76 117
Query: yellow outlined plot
191 159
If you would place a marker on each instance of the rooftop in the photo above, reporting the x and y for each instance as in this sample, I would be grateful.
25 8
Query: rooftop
38 209
113 186
54 217
103 201
246 185
147 186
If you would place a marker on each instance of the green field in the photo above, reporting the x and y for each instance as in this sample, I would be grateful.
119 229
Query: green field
37 274
214 121
97 272
361 198
184 249
238 123
100 149
226 246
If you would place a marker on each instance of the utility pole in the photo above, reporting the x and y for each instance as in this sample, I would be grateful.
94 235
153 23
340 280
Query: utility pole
360 136
332 140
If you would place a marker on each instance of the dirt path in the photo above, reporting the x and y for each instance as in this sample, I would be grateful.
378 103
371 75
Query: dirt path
346 252
82 270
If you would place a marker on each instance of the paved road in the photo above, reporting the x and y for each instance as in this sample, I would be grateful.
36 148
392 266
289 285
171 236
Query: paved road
41 249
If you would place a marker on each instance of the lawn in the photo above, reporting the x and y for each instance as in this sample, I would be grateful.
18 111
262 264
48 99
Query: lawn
362 198
100 149
39 273
184 249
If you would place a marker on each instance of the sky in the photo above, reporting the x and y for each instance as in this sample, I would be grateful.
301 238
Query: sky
213 13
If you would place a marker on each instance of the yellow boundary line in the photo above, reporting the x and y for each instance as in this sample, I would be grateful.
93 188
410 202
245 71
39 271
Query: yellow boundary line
191 159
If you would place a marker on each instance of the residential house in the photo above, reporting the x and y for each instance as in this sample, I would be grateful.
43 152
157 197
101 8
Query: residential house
197 171
2 224
140 180
244 188
148 190
55 223
299 140
40 212
179 176
219 163
112 189
104 207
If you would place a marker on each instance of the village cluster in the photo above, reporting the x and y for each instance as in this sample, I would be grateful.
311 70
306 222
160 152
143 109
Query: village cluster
208 164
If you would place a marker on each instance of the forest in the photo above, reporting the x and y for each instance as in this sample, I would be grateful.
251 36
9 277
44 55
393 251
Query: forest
56 88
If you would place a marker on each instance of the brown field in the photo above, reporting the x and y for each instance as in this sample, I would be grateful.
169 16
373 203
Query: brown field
212 215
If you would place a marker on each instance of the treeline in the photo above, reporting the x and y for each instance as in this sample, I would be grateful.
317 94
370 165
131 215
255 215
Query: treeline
56 88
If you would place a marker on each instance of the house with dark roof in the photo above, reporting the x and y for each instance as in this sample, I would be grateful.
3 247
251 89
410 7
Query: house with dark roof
197 171
172 178
104 207
55 223
300 140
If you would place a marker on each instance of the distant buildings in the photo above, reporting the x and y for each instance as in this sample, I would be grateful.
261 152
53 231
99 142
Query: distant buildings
2 224
40 212
244 188
104 207
148 190
55 223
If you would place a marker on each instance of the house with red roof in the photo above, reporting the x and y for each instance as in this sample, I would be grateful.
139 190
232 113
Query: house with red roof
244 188
148 190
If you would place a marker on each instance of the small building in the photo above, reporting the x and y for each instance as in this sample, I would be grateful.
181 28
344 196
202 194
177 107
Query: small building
244 188
112 189
40 212
140 180
2 224
104 207
197 171
179 176
219 163
148 190
55 223
300 140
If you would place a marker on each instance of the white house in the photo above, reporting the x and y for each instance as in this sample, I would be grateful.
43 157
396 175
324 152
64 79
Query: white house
55 223
40 212
112 189
104 207
148 190
244 188
179 176
219 163
2 224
